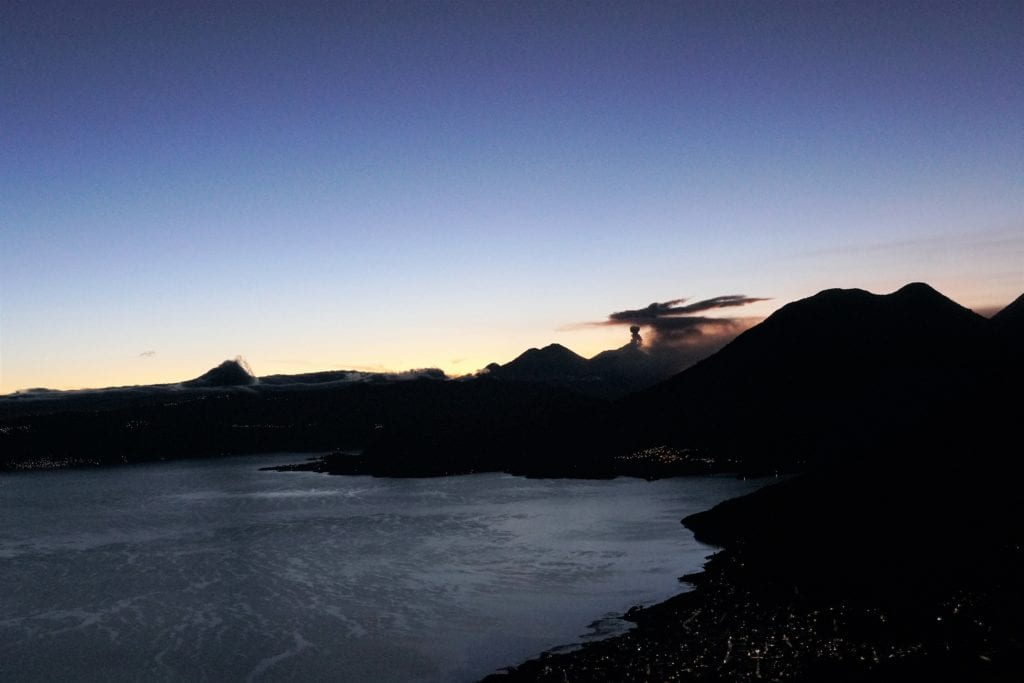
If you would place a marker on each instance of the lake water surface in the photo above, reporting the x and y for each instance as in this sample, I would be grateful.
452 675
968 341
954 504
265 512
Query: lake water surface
214 570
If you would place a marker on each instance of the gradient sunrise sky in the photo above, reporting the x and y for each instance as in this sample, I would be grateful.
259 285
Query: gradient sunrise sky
396 185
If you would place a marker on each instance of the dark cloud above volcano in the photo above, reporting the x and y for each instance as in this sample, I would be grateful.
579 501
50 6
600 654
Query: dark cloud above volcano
675 315
684 328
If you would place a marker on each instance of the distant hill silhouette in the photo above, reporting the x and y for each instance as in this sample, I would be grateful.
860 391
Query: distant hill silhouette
309 377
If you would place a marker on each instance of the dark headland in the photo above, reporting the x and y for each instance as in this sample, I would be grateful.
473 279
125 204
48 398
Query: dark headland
894 553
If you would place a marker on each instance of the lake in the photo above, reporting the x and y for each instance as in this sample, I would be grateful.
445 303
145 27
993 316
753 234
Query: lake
215 570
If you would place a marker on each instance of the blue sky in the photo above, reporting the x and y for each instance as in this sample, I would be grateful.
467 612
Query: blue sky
395 185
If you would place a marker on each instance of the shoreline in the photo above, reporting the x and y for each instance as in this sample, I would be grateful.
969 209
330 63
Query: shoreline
356 463
785 604
729 630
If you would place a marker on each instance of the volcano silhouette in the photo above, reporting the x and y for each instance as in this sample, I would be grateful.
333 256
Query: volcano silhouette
230 373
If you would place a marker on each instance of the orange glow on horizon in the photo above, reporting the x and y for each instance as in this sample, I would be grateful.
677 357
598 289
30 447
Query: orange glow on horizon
464 354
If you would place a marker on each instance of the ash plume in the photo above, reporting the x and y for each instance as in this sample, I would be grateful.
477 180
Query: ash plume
634 336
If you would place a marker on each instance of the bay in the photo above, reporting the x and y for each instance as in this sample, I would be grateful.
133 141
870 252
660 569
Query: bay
215 570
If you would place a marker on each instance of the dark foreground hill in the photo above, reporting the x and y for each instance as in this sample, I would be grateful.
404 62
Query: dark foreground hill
837 576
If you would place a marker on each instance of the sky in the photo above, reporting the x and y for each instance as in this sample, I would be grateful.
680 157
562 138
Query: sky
396 185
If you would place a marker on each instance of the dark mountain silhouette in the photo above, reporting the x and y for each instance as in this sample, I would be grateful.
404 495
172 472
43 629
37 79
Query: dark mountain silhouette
1010 320
553 363
1013 311
828 374
632 361
230 373
610 374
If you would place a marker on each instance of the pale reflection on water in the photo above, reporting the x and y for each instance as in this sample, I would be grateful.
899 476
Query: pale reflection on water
214 570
